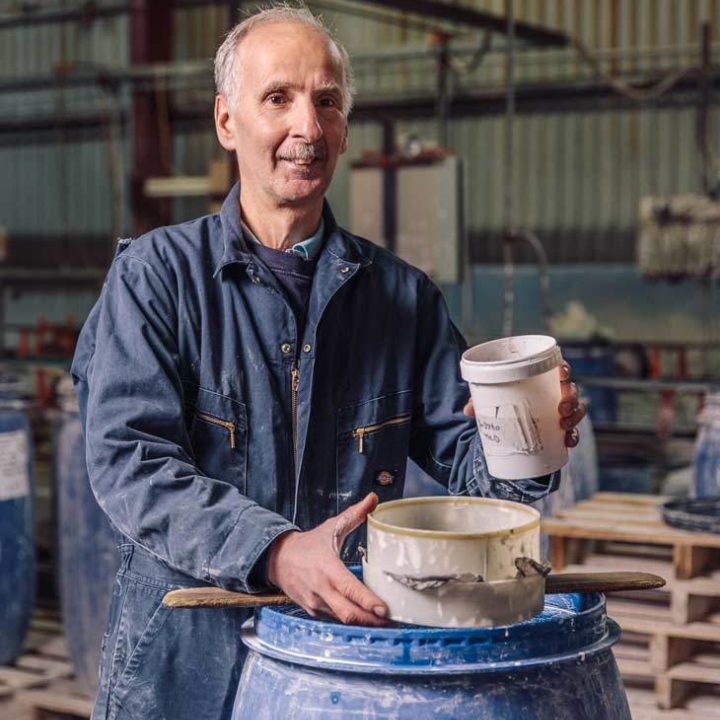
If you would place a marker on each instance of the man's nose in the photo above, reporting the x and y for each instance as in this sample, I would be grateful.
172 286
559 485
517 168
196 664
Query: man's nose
306 123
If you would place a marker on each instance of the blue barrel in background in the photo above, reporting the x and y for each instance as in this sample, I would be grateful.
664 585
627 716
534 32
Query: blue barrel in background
706 464
557 666
17 536
594 360
578 479
88 556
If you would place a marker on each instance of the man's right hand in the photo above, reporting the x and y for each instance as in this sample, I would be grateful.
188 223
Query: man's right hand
306 566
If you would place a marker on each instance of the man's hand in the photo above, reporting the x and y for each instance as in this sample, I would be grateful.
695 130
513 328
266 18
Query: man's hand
306 566
571 410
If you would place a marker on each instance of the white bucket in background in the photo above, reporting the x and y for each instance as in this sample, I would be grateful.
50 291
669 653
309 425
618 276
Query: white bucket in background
515 389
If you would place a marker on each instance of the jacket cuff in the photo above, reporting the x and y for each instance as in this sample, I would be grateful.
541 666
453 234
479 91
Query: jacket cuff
235 565
483 484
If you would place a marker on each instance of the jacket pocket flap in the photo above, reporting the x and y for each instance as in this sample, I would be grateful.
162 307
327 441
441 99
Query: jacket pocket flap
375 411
215 406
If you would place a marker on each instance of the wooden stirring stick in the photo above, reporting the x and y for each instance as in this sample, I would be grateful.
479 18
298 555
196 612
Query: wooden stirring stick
210 597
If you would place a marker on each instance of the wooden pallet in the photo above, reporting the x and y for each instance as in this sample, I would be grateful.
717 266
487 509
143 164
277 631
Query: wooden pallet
628 518
33 670
59 702
643 705
671 636
40 685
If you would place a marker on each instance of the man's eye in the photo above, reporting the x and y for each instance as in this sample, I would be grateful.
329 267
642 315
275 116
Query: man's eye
328 102
276 99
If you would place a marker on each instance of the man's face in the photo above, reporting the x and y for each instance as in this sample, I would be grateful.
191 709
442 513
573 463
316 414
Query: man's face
287 126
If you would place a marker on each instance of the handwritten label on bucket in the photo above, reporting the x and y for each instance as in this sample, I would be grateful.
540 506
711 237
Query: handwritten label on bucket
509 429
14 472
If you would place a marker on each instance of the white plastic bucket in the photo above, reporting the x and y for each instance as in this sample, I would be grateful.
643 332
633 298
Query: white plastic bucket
450 561
515 389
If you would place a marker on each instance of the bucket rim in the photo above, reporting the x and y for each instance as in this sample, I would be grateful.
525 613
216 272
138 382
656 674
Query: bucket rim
376 523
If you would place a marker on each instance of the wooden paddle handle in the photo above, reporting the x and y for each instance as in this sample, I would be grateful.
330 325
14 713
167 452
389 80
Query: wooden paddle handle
211 597
604 582
215 597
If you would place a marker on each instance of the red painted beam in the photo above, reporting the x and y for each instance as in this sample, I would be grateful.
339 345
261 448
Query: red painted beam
151 41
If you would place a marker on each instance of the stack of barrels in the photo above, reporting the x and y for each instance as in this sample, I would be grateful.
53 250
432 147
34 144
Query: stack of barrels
88 555
17 537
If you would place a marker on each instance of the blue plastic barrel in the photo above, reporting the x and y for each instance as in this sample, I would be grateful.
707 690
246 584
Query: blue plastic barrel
706 466
557 666
17 537
628 474
578 479
590 360
88 556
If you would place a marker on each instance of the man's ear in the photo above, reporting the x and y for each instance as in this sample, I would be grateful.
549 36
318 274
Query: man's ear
224 126
344 143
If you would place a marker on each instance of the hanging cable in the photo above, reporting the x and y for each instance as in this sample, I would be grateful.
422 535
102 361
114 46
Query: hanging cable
543 270
464 68
509 235
623 88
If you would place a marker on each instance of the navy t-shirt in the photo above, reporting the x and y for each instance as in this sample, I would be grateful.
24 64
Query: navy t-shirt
294 273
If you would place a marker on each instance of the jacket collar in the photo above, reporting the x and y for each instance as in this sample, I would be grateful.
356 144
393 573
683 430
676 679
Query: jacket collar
235 248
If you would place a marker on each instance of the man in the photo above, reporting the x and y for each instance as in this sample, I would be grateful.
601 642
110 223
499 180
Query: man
245 407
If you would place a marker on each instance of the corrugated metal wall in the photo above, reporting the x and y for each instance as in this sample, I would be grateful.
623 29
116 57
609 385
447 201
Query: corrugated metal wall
579 175
54 183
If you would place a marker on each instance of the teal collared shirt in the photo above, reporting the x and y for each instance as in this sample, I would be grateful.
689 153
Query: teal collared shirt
308 248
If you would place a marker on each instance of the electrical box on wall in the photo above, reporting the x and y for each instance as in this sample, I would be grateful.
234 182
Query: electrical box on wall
427 211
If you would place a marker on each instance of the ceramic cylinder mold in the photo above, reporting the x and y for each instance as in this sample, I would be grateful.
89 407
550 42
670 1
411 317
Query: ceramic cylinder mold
451 561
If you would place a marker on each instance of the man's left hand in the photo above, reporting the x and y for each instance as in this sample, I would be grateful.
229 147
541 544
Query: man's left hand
571 410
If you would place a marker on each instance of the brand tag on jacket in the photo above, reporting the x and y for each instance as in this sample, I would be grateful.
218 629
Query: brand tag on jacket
385 478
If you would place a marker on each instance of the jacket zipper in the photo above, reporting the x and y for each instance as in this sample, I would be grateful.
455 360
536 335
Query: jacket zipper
361 432
227 424
294 383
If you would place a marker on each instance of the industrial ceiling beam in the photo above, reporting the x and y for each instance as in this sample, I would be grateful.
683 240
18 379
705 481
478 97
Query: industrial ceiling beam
546 98
462 15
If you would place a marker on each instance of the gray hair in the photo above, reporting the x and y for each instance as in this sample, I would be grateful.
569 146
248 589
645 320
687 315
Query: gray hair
226 75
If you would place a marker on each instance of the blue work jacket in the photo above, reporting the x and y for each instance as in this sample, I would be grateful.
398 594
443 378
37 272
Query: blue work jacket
212 427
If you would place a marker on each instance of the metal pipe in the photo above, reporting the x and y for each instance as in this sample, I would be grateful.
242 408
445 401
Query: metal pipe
509 184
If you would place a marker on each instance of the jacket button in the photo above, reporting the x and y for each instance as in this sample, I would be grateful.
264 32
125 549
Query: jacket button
286 348
307 347
344 269
255 279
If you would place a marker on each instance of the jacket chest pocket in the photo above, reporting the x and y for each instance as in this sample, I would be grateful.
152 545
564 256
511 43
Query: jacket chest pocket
372 448
217 426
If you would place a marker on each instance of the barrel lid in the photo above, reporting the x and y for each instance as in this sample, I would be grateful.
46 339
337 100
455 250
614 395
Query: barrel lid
570 624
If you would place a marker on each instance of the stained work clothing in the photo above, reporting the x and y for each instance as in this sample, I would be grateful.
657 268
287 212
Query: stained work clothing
211 428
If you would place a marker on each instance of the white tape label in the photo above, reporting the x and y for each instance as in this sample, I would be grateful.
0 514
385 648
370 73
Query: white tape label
509 429
14 472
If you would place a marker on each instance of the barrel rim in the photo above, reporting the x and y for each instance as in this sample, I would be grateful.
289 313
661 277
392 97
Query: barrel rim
256 644
279 631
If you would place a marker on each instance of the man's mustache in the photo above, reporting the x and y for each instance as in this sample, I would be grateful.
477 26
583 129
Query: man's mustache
304 152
